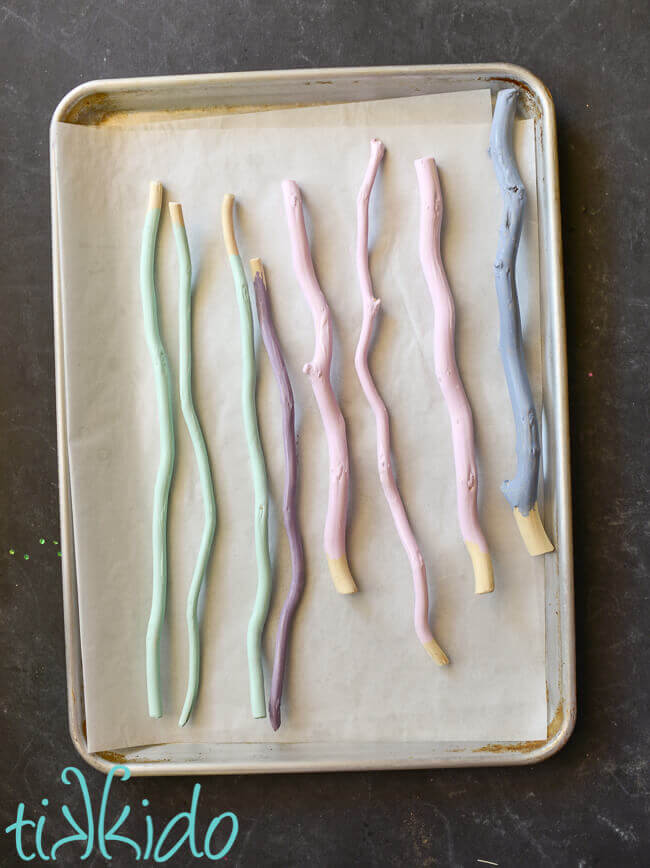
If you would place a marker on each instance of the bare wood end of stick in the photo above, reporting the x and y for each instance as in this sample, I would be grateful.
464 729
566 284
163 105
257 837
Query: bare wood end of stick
227 224
341 575
532 532
155 195
435 652
482 564
176 213
257 268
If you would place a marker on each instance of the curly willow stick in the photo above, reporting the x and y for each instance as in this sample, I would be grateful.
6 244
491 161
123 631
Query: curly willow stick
258 467
386 475
318 371
520 492
166 461
200 453
289 509
460 413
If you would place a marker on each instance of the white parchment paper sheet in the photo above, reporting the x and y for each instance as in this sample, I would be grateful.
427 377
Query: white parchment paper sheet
471 106
356 670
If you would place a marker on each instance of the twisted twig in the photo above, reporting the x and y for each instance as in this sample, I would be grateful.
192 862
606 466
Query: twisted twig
289 509
200 453
460 413
319 373
166 461
258 466
386 475
521 491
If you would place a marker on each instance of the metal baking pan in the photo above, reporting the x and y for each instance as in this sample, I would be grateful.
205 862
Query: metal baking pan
138 100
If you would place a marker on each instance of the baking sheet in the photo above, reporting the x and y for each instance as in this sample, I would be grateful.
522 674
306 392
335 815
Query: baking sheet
356 671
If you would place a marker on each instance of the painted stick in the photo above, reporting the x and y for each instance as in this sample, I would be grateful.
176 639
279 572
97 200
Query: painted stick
200 453
289 508
520 492
318 371
258 466
386 475
163 386
460 413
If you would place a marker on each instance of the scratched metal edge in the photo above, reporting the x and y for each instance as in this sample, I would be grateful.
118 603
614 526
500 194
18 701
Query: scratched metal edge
92 103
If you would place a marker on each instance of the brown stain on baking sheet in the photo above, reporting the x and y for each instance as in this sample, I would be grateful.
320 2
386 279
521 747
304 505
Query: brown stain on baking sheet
88 110
527 746
97 110
527 93
120 759
112 756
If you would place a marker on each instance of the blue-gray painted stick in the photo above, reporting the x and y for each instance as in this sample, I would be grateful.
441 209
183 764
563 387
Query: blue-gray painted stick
521 491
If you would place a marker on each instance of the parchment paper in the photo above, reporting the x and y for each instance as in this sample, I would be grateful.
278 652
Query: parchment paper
471 106
356 671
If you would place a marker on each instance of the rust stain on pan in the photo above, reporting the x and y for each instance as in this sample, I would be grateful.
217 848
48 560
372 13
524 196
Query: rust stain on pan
528 95
120 759
527 746
122 118
89 110
97 110
112 756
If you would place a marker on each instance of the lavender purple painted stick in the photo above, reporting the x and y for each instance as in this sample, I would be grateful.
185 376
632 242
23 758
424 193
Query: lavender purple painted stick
289 509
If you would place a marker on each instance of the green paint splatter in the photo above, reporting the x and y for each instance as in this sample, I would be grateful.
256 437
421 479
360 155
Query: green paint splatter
12 551
26 557
42 541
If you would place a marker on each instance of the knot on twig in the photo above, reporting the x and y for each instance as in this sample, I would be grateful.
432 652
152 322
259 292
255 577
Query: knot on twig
313 371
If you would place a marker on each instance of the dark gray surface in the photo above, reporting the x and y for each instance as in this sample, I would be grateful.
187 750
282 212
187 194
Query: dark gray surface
588 805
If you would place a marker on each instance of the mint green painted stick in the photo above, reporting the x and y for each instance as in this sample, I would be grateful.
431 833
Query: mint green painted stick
166 461
258 467
200 453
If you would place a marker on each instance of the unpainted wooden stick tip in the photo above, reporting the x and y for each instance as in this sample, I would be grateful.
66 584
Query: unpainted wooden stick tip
436 653
341 575
532 532
176 213
256 267
227 224
155 195
482 564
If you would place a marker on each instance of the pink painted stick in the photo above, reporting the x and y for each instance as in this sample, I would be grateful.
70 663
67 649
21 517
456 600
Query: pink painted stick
386 474
318 371
460 413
